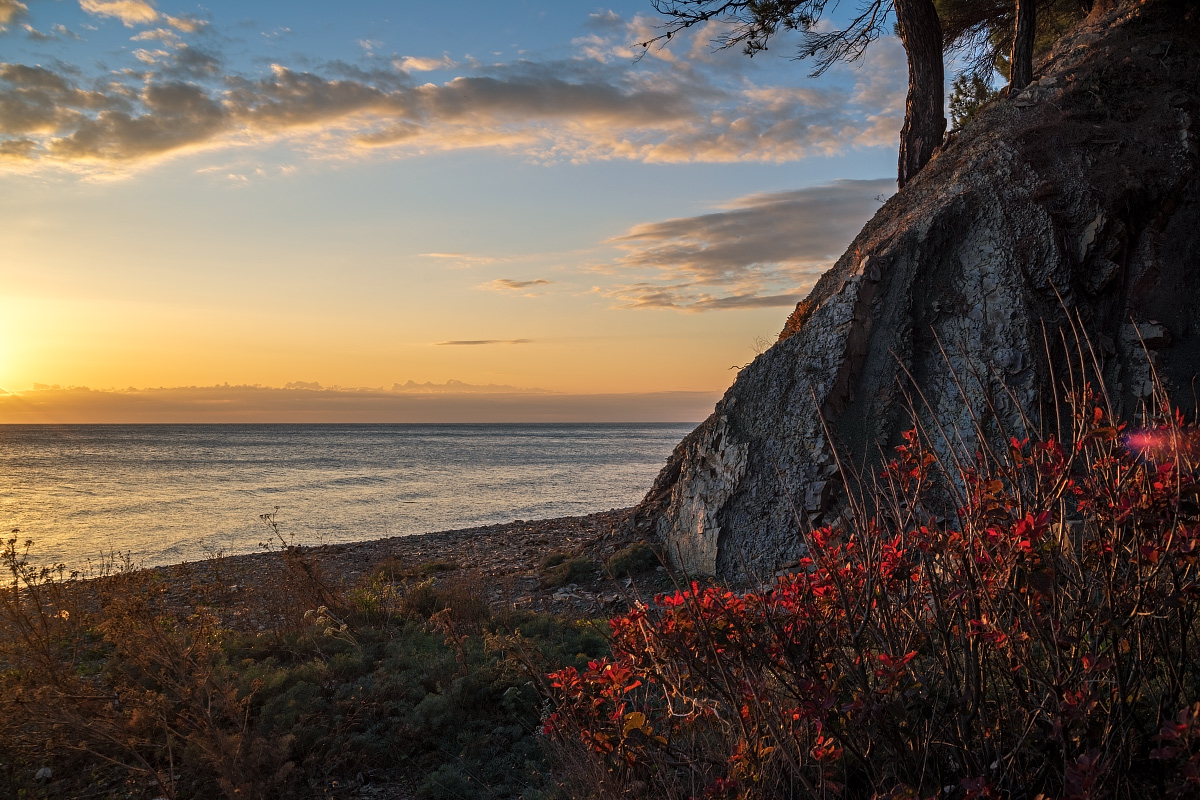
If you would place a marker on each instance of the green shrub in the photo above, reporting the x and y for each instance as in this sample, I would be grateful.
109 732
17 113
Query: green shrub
381 599
554 559
417 685
572 570
447 782
464 602
637 558
390 569
421 600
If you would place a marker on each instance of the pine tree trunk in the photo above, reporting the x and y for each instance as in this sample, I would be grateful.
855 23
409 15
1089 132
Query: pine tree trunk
1021 69
924 115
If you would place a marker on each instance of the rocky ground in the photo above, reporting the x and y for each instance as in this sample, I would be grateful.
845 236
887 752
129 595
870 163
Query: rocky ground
503 562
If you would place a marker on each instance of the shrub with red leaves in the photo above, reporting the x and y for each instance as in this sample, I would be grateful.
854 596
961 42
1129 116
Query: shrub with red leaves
1023 625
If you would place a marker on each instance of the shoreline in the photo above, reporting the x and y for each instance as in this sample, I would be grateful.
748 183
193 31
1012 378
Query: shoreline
421 610
502 561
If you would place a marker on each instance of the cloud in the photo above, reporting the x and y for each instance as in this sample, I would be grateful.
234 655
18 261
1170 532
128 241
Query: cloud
458 387
65 32
764 250
186 23
17 149
684 297
460 260
605 20
451 386
130 12
472 342
176 115
593 107
36 35
151 57
531 92
408 402
510 285
11 11
416 64
164 35
191 63
288 99
40 102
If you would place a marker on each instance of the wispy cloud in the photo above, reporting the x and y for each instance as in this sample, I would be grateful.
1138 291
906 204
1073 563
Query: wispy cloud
418 64
186 23
130 12
471 342
65 32
36 35
673 107
164 35
607 20
460 260
451 386
458 387
507 283
763 250
521 287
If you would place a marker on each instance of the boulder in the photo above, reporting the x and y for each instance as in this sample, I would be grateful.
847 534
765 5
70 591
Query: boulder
1057 233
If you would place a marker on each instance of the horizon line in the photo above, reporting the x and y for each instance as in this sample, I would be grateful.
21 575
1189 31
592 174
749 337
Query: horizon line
251 405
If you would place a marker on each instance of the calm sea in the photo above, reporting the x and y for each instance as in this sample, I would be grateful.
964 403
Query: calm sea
171 493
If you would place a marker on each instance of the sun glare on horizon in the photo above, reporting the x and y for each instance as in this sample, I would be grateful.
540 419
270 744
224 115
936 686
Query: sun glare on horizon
352 200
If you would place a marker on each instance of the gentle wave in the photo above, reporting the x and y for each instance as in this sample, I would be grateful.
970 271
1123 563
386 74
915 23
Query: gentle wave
169 493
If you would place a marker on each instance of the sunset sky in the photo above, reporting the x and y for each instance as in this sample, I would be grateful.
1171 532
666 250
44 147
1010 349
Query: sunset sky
320 203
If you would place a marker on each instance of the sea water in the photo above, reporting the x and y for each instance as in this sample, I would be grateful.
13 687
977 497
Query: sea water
170 493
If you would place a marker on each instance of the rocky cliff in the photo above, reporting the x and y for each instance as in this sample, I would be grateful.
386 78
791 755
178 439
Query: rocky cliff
1076 198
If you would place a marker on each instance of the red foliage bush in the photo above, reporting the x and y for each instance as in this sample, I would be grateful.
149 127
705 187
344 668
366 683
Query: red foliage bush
1022 625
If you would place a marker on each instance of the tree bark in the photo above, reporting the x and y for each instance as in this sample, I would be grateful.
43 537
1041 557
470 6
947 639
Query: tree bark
924 112
1021 67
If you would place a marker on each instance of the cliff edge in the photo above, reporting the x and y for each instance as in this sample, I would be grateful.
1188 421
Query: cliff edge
1076 198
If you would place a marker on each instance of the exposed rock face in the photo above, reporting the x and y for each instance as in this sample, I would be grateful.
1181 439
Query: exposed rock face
1083 187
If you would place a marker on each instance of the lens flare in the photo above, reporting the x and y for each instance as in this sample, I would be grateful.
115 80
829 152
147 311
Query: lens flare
1163 444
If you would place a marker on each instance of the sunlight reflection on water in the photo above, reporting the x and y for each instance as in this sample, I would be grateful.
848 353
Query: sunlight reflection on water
171 493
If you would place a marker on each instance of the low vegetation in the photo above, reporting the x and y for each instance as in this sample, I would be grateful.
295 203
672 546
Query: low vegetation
1019 624
636 559
561 569
410 684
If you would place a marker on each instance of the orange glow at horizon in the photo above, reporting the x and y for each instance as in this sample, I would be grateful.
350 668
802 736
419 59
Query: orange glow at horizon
373 204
